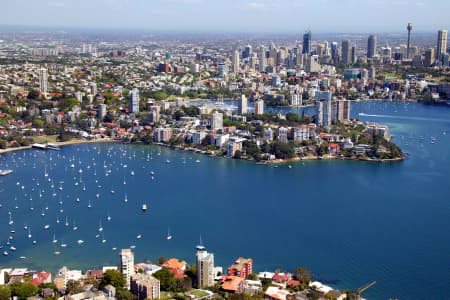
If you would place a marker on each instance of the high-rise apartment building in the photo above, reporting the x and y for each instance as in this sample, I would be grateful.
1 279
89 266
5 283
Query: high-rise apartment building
101 111
134 101
235 61
441 43
346 52
262 59
43 81
342 110
93 89
145 286
216 121
371 46
127 265
242 105
205 268
259 107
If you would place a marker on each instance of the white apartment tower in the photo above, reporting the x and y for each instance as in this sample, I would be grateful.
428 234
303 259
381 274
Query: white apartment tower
134 101
242 105
127 265
43 80
216 121
205 268
235 61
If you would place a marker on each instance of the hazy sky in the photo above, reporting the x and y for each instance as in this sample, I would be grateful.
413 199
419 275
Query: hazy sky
232 15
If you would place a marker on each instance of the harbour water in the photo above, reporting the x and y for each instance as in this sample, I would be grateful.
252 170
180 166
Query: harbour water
349 222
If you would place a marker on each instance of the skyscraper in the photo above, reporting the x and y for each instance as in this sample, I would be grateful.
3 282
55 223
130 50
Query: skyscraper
127 265
134 101
346 52
205 268
335 51
441 43
262 59
307 42
342 110
242 105
429 57
247 51
235 61
43 80
371 46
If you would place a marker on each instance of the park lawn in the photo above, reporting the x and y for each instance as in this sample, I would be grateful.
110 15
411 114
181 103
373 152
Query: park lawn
45 138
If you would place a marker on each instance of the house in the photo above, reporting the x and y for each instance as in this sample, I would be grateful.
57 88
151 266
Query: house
282 277
276 293
252 286
292 283
334 149
174 263
94 274
47 293
232 284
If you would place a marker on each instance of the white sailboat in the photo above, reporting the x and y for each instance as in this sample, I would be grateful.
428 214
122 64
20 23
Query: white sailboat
169 236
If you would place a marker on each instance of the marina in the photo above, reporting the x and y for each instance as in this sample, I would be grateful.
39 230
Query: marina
184 200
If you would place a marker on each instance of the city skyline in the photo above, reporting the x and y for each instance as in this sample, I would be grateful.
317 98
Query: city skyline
231 16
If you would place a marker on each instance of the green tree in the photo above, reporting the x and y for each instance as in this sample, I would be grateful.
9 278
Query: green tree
33 94
125 295
5 292
165 277
114 278
23 290
73 287
302 274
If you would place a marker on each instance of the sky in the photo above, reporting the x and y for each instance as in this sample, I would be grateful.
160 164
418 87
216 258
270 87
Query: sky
231 15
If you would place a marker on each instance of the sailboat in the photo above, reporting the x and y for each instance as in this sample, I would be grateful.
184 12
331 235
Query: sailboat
169 236
100 228
63 245
103 239
54 240
29 233
57 220
75 227
126 199
89 204
67 223
108 217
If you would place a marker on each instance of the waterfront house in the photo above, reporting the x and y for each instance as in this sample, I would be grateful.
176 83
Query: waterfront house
232 284
242 267
276 293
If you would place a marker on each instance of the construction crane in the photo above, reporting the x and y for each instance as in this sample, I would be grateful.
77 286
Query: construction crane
362 289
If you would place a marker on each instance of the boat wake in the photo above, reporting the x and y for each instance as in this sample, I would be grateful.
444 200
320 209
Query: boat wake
403 117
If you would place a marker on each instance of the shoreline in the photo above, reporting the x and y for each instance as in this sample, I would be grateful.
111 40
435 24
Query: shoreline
67 143
202 152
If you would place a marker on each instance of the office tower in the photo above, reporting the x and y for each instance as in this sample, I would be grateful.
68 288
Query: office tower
259 107
342 110
205 268
441 43
247 51
93 88
312 64
127 265
353 59
43 81
335 51
307 42
145 286
101 111
235 61
346 52
320 50
429 57
262 59
409 28
371 46
134 101
242 105
216 121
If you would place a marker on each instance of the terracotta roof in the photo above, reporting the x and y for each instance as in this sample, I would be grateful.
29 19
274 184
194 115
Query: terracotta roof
174 263
231 283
